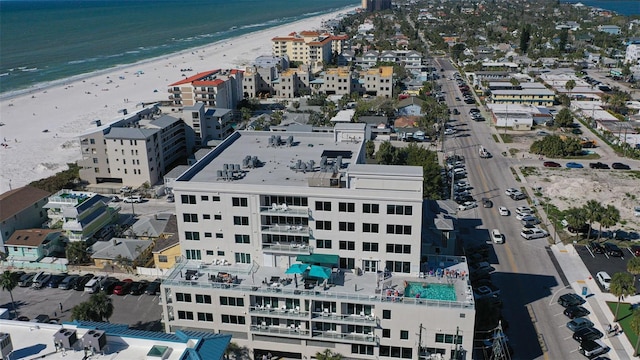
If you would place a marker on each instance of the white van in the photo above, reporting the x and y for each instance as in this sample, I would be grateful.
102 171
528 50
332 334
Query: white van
93 285
604 279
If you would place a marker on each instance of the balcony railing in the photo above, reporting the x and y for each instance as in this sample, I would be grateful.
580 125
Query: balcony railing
348 337
369 320
280 330
291 248
285 210
280 313
286 229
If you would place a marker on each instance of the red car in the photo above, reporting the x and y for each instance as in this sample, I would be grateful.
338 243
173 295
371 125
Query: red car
635 249
123 287
551 164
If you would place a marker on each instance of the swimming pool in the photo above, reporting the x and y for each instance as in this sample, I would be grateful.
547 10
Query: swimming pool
429 291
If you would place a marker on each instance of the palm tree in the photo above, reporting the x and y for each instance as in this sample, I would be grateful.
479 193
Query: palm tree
570 85
101 305
8 283
621 285
635 326
328 355
633 267
576 217
593 211
83 312
609 217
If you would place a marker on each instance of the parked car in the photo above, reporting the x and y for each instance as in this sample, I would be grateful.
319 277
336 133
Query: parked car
153 288
570 299
68 282
612 250
589 333
592 348
82 281
42 318
497 237
576 311
171 198
138 287
504 211
41 281
108 284
486 291
123 287
598 165
133 199
635 250
518 196
56 279
26 279
578 324
552 164
596 247
524 210
529 220
604 279
535 233
620 166
467 205
16 275
574 165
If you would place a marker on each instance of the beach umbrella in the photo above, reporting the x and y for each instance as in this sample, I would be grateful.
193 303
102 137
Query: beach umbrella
319 272
297 269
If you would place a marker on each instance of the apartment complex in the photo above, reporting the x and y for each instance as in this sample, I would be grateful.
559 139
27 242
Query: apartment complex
292 244
21 208
308 47
525 94
214 88
135 149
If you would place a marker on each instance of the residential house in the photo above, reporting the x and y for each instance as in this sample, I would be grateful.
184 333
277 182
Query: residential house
337 81
410 106
121 252
151 227
293 83
166 252
21 208
214 88
378 81
632 54
34 244
609 29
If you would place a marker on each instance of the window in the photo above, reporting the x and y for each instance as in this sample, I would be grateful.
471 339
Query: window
323 205
386 314
347 263
399 266
192 235
241 202
208 235
404 335
370 228
163 258
399 210
346 207
204 198
243 258
448 338
215 198
185 315
370 246
206 216
219 235
399 249
190 217
217 217
399 229
323 225
183 297
347 245
396 352
231 301
209 252
188 199
220 253
205 317
242 239
233 319
192 254
240 220
386 333
203 299
323 244
346 226
362 349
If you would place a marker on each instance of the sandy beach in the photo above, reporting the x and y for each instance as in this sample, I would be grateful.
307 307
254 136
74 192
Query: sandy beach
41 127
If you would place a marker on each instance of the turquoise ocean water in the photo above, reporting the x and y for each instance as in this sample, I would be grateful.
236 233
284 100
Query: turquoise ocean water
622 7
48 40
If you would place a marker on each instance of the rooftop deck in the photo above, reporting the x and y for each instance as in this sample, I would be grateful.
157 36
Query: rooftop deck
444 273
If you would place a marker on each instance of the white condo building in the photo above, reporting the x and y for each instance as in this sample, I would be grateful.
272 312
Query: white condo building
293 245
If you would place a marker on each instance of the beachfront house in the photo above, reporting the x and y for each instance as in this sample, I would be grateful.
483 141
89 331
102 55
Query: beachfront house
21 208
316 250
214 88
31 245
308 47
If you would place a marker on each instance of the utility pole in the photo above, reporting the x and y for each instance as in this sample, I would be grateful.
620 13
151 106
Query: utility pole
455 344
420 327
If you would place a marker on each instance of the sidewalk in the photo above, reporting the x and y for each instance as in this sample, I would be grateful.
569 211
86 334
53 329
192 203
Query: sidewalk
578 277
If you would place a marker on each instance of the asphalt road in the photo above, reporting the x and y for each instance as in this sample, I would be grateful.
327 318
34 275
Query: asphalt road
525 273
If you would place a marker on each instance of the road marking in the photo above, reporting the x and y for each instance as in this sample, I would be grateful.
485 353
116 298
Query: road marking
556 293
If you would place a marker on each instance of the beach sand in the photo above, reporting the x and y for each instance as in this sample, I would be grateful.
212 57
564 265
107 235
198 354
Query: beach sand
41 127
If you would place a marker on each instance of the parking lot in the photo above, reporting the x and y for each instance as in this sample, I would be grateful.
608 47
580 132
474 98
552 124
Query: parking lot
602 262
139 312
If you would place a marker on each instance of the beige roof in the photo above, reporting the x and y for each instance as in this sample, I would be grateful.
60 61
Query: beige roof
29 237
14 201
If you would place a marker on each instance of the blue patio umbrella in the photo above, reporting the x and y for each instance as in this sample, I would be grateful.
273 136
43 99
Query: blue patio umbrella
319 272
297 269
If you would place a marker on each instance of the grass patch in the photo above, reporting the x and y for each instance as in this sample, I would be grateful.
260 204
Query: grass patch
624 316
634 174
515 174
513 152
506 138
593 156
495 138
529 170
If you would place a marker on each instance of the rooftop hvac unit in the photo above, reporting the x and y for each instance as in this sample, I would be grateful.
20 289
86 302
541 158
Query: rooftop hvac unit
225 167
290 141
219 174
65 338
6 346
95 340
236 167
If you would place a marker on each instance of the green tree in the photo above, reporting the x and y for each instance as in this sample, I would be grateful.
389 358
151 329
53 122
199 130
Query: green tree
386 153
101 305
8 282
245 113
575 217
370 148
236 352
633 267
635 327
593 211
609 217
83 312
77 253
570 85
621 285
564 118
525 36
328 355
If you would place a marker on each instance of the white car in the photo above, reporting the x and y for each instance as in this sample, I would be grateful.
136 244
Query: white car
531 234
450 131
467 205
604 279
133 199
524 210
497 237
511 191
504 211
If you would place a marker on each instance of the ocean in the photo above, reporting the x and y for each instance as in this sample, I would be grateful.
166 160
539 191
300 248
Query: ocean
48 40
622 7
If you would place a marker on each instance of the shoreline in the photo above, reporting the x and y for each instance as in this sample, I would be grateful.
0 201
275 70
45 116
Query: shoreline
42 124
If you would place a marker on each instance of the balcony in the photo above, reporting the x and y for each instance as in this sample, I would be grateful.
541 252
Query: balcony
288 248
260 310
346 337
285 210
366 320
286 229
280 330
